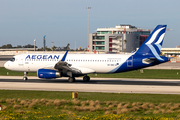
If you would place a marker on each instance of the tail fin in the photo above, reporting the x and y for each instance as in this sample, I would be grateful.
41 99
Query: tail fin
152 45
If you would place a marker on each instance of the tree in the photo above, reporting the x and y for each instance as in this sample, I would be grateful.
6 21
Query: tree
19 46
48 49
9 46
67 47
28 46
4 46
54 48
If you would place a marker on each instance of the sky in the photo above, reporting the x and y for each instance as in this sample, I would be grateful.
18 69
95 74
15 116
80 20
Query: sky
66 21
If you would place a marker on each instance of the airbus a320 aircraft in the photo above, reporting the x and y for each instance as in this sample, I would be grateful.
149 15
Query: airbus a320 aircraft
73 65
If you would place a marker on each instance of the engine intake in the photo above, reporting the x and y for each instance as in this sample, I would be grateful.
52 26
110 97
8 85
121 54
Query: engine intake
48 73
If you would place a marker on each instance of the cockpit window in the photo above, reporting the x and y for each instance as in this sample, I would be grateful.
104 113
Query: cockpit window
12 59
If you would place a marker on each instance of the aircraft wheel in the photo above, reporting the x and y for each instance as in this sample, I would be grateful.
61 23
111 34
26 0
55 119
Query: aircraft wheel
86 78
25 78
71 79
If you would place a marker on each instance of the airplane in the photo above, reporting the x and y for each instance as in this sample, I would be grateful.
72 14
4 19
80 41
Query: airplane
50 66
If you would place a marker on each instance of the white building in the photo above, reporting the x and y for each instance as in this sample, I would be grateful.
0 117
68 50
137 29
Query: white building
122 38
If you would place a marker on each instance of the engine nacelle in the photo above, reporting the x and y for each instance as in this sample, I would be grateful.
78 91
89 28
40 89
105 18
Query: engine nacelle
48 73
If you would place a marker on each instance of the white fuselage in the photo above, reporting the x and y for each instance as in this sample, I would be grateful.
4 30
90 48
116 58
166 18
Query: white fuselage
87 63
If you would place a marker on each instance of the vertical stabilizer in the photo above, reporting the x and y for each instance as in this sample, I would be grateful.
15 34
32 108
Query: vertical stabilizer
152 45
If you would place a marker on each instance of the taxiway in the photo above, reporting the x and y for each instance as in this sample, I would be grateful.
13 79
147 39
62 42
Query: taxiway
109 85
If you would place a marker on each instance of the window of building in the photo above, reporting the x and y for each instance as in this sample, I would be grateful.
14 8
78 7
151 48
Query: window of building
104 32
100 48
100 43
98 32
110 32
100 37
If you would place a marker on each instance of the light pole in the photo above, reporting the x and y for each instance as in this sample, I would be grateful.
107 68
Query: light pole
88 21
75 46
44 43
52 45
34 44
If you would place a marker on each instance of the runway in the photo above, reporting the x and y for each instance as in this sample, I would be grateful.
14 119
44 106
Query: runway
108 85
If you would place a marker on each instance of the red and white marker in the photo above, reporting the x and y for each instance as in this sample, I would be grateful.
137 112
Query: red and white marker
0 107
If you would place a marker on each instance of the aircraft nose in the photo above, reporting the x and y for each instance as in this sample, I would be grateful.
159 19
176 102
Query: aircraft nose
6 65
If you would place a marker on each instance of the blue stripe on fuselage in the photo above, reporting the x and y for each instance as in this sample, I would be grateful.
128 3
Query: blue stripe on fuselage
136 63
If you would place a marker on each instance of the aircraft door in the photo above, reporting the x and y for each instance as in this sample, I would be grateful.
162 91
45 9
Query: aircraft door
130 62
21 61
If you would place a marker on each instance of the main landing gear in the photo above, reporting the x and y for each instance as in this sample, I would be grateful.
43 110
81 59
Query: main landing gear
71 79
86 78
25 76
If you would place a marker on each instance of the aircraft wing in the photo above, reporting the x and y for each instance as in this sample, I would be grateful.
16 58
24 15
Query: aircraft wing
64 66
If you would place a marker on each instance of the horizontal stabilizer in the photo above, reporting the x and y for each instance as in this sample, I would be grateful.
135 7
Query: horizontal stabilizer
149 60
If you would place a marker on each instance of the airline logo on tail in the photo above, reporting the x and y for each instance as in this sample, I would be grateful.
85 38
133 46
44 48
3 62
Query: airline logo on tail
153 43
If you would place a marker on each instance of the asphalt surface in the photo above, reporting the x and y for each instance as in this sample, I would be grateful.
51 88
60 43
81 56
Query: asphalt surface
110 85
110 81
5 57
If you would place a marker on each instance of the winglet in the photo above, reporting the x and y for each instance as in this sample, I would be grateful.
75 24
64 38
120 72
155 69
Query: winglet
64 57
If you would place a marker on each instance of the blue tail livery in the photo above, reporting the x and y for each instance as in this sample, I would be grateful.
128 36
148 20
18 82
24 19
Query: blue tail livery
148 54
152 45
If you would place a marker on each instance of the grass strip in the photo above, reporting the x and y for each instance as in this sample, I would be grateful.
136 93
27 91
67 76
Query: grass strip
147 74
18 104
122 97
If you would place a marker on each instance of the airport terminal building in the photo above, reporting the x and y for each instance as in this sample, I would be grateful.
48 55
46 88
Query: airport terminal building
122 38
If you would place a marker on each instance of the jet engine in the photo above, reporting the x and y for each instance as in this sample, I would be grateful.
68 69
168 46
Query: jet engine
48 73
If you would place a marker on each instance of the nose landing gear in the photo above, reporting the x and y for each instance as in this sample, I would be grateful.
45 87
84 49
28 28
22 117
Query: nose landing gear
25 76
